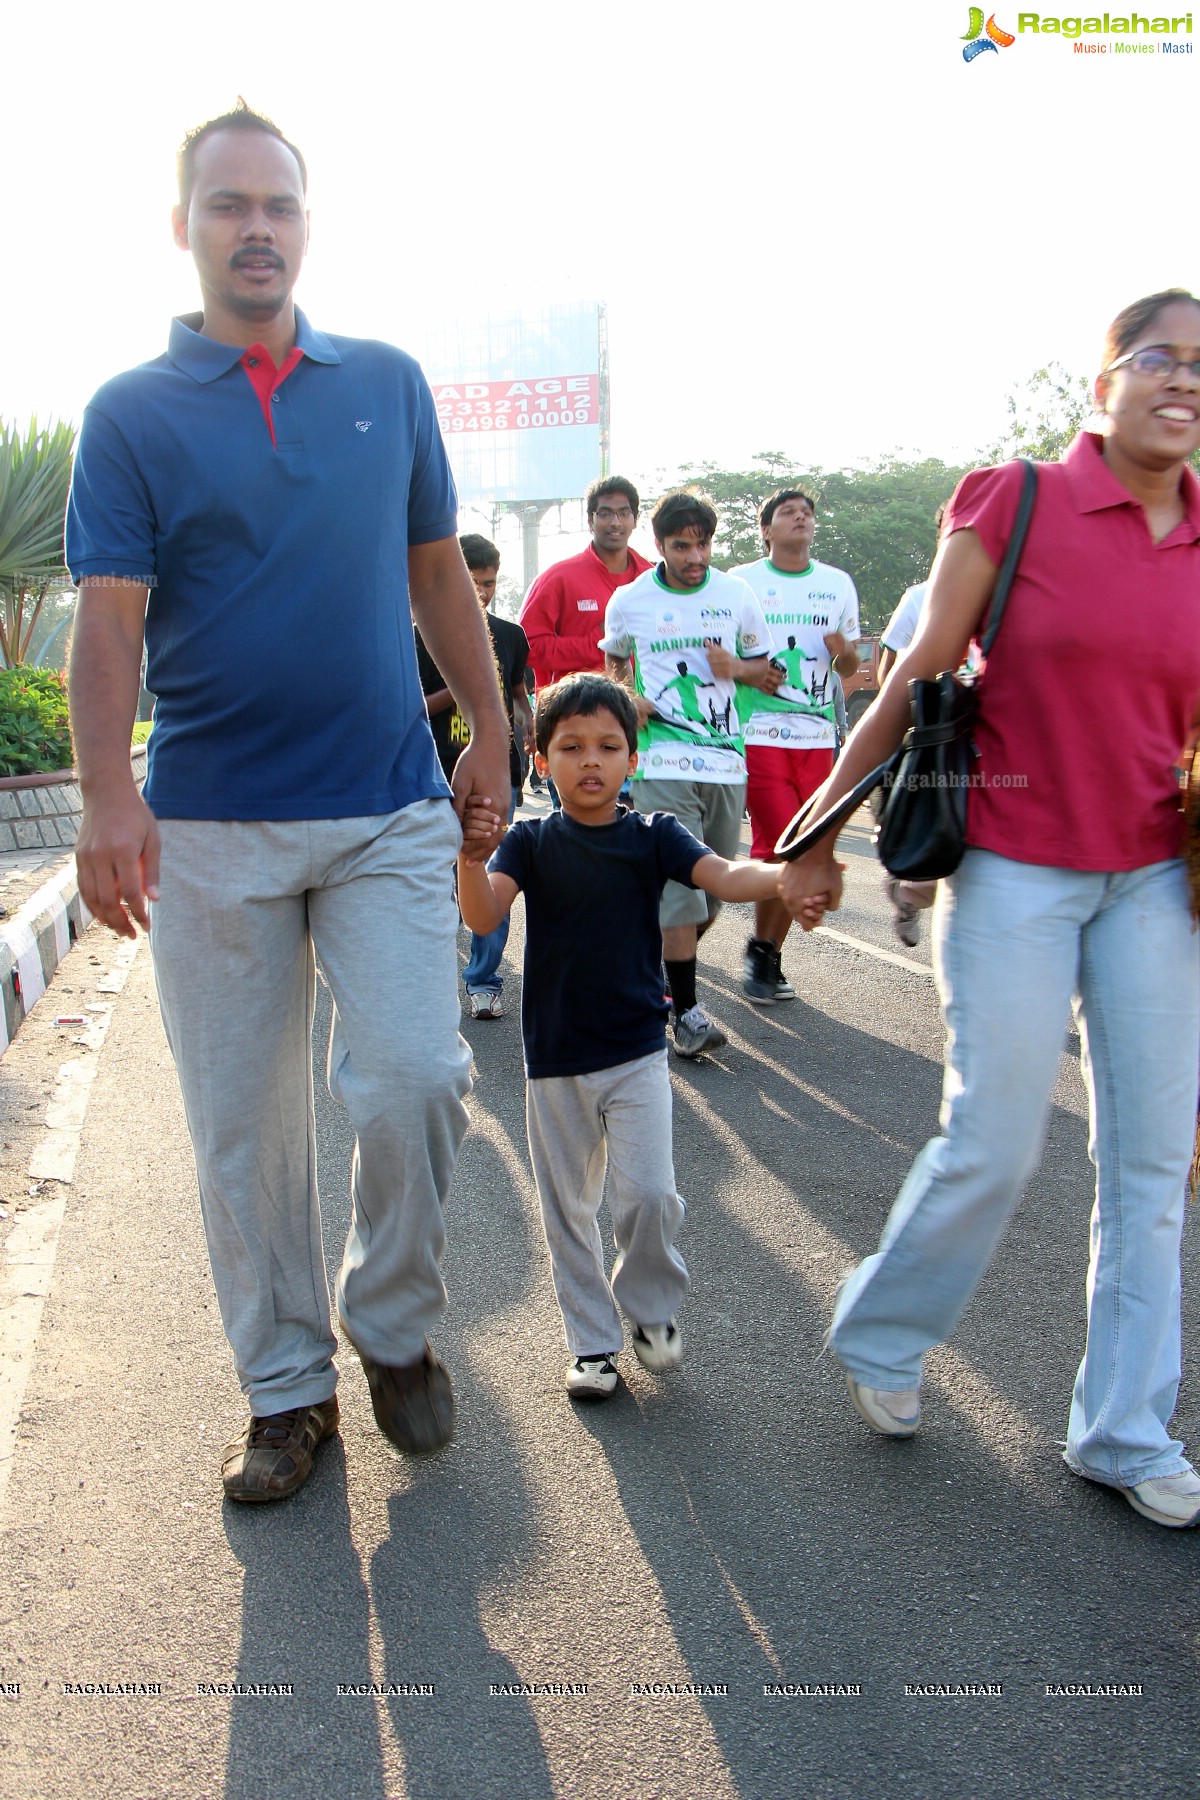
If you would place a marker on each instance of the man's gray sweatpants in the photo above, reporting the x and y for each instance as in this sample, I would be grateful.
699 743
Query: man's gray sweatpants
578 1125
242 906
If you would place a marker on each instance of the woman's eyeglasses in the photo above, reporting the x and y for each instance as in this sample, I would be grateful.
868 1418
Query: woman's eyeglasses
1158 361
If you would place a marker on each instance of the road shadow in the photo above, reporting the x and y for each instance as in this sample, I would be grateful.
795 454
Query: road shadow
792 1546
305 1621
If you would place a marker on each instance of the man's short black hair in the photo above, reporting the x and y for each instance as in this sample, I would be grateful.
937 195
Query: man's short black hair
777 499
682 511
479 552
611 484
242 118
583 695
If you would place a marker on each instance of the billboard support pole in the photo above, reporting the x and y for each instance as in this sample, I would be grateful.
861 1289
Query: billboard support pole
532 514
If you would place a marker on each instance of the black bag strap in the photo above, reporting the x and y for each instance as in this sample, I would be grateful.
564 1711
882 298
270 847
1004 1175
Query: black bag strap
1012 555
802 832
806 829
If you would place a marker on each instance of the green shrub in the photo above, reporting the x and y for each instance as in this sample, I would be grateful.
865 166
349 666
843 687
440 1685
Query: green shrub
142 730
35 732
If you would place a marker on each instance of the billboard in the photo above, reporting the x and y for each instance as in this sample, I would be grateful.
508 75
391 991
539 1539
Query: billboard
522 400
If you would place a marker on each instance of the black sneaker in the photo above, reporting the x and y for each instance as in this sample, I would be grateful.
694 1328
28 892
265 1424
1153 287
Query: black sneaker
761 972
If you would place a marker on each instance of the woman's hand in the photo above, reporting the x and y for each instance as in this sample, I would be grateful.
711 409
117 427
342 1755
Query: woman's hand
811 886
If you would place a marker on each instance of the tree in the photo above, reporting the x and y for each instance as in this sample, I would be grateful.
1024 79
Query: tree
876 523
1044 416
35 474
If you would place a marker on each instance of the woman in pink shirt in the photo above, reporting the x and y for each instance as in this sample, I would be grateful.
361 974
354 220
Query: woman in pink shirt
1071 891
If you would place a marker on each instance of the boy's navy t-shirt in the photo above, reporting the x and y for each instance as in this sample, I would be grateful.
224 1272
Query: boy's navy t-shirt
593 988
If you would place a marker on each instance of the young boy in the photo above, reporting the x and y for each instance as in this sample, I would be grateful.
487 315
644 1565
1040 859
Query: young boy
599 1094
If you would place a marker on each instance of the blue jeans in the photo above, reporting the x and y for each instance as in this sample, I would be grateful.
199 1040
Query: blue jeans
482 973
1014 944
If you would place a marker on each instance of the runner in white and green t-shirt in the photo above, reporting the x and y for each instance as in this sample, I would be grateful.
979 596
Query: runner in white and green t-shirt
811 611
677 637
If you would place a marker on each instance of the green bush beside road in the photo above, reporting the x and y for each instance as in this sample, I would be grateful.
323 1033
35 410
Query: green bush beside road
35 730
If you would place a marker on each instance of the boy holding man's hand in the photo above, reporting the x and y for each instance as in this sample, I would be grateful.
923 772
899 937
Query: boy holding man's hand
599 1093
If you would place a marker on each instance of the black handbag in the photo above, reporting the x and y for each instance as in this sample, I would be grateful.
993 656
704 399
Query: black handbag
922 822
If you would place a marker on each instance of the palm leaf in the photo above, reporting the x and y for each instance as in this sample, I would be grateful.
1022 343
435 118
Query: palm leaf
35 476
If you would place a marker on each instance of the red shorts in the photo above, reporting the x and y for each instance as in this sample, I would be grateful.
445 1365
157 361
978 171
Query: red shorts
778 782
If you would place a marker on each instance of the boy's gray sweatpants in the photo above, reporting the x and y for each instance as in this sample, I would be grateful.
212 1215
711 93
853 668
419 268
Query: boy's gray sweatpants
578 1125
242 905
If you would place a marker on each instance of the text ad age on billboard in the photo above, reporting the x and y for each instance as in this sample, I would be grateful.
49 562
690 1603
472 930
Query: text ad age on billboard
504 406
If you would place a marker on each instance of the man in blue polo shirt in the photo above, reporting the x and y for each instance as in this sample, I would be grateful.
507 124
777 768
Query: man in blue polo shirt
280 497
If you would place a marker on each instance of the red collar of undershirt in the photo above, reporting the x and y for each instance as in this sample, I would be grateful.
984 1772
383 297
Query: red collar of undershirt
265 378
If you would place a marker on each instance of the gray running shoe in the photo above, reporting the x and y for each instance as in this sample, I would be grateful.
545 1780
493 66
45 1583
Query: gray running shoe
693 1032
907 921
760 972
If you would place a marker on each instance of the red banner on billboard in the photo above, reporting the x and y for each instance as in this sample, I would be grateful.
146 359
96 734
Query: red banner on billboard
518 405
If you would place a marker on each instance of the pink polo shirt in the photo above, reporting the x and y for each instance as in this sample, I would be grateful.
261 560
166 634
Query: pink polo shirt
1094 677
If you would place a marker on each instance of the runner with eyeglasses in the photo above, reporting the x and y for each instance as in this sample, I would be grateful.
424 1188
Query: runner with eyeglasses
1072 892
563 613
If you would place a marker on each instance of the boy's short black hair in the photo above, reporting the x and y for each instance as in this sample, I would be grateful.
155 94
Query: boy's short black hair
777 499
583 695
683 511
479 552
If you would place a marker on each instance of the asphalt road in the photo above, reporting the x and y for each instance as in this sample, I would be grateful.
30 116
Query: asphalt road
732 1529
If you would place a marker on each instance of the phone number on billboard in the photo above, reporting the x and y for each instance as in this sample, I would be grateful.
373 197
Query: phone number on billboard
498 421
518 405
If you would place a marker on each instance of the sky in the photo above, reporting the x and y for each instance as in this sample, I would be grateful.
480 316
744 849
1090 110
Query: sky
816 228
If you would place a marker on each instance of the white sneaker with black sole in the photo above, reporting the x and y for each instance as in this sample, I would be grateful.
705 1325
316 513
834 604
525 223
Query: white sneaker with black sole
591 1377
693 1032
658 1347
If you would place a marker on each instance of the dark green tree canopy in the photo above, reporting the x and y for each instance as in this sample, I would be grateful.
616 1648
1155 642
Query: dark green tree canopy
876 523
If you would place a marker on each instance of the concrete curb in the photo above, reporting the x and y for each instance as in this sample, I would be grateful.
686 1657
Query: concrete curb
34 943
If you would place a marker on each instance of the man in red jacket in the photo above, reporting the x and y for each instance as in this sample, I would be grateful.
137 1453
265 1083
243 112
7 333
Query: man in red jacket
563 614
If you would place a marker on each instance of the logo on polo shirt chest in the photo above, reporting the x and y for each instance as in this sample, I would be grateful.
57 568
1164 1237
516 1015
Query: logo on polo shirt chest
588 605
362 424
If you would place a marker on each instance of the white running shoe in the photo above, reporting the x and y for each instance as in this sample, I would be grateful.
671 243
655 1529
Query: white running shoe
693 1031
486 1005
658 1346
1168 1499
591 1378
891 1415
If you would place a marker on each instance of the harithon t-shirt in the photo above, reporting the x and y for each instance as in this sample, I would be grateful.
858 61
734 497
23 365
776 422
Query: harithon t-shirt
800 609
696 734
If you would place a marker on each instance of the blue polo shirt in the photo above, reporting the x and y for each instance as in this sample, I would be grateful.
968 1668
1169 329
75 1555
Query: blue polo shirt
278 632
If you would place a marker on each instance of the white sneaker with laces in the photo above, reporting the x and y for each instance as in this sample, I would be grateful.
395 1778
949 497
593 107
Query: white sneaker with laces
693 1031
891 1415
591 1377
486 1006
658 1346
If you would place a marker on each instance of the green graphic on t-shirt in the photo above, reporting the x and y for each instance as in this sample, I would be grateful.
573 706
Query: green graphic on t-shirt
793 660
687 687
